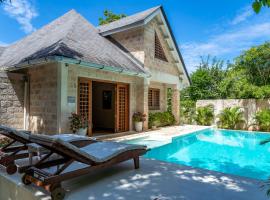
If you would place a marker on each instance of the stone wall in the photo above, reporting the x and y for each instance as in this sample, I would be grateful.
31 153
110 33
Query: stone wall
163 95
141 44
43 99
149 49
12 100
136 87
249 106
133 41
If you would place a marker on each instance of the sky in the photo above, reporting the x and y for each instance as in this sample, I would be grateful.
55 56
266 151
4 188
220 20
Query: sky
223 28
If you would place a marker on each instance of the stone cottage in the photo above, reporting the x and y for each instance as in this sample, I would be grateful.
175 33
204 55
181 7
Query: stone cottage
105 73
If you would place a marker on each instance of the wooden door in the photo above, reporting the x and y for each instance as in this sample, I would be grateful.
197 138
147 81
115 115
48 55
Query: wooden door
122 108
85 101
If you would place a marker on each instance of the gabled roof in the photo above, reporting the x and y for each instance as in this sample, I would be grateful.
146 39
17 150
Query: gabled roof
142 18
70 36
125 22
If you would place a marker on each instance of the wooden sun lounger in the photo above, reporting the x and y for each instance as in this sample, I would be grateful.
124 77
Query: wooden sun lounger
95 156
18 147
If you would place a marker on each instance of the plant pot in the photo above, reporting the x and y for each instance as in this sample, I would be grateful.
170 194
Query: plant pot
82 131
138 126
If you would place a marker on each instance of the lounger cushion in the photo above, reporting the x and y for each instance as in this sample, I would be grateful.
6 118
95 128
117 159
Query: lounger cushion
72 137
98 152
7 131
102 151
64 137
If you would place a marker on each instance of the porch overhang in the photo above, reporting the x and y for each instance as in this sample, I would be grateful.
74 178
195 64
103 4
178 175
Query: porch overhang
65 60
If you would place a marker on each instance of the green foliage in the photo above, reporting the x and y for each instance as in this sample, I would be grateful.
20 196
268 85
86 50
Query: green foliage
205 80
187 111
256 64
258 4
110 17
205 115
263 120
77 121
160 119
139 117
169 99
248 77
4 141
230 118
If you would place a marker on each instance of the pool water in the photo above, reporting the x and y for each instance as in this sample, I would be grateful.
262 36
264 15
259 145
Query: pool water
232 152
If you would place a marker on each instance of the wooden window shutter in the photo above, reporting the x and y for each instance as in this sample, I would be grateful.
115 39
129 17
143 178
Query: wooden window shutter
154 99
84 101
122 107
159 52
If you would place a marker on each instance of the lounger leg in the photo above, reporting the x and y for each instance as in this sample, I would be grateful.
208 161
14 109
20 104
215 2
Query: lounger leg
30 158
136 162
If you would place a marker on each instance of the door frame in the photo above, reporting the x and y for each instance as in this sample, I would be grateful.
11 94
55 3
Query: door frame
116 83
81 79
127 113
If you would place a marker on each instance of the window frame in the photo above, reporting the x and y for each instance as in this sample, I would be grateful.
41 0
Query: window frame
153 99
159 51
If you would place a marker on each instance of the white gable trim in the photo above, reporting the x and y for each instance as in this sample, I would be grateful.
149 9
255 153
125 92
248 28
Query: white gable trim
163 26
165 30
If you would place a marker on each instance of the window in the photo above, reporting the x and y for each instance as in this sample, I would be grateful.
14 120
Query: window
159 52
154 99
107 100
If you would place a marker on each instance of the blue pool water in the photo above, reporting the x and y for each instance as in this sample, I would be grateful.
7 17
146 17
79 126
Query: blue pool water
232 152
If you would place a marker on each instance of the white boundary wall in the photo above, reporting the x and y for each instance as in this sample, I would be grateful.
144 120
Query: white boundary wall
249 106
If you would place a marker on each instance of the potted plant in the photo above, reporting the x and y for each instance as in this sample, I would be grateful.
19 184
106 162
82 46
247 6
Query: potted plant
78 124
138 119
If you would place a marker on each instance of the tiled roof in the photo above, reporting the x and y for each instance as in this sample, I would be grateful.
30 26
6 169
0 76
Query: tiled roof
70 36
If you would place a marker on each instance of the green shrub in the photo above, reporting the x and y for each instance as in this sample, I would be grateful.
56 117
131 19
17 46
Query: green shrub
4 141
160 119
263 119
77 121
169 99
230 118
187 111
204 115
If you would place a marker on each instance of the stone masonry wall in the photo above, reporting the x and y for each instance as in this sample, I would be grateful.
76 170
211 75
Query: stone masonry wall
133 41
149 49
163 95
137 103
141 44
43 99
11 101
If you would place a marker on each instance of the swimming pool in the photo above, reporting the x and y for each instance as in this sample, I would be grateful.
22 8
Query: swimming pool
227 151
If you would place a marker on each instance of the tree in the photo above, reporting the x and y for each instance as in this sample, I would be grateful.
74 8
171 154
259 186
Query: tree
205 80
256 63
258 4
110 17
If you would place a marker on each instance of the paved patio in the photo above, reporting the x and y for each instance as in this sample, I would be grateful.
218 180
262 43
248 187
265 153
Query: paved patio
154 180
163 133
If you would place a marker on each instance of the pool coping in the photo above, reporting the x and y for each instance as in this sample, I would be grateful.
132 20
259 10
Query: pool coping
182 132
